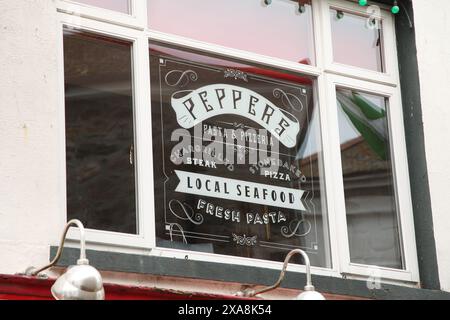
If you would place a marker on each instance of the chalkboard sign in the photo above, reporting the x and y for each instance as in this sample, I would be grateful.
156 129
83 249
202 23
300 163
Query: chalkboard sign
237 158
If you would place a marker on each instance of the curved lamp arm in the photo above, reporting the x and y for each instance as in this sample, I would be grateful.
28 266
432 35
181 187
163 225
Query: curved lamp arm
308 287
82 261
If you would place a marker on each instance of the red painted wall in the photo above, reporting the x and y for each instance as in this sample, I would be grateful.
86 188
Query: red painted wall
31 288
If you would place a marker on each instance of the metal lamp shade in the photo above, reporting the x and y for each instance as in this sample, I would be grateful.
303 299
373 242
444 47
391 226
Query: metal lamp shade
80 282
310 295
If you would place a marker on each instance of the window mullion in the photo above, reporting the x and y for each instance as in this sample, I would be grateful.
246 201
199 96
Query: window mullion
143 124
139 11
331 167
327 123
336 185
319 29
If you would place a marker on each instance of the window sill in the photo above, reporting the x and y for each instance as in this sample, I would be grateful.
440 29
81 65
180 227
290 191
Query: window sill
162 266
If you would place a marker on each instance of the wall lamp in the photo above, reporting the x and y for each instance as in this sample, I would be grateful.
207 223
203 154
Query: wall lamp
309 292
79 282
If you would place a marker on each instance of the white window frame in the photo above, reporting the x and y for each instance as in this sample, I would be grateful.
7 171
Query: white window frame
328 74
400 174
142 135
136 19
390 76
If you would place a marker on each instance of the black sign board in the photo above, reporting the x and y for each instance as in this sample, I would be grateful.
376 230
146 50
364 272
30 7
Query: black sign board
236 158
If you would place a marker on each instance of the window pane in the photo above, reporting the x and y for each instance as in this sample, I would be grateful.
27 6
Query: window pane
99 132
278 30
116 5
373 225
237 158
357 40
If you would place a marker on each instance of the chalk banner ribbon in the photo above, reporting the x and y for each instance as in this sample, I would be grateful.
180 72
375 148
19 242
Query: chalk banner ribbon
194 106
237 190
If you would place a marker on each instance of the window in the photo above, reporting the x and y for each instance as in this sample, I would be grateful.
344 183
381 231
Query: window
233 132
235 174
357 41
368 184
99 132
115 5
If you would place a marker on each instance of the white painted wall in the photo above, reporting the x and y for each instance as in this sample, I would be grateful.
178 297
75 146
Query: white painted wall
29 182
432 23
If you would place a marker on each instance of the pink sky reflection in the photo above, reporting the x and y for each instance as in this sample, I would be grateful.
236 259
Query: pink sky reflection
115 5
277 30
354 43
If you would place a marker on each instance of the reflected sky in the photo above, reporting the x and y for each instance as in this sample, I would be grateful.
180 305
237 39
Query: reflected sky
116 5
355 42
278 30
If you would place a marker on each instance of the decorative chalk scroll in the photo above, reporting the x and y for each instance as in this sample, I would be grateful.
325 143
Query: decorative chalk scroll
195 106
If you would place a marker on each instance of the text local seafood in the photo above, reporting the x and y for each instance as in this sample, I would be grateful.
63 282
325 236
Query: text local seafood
241 190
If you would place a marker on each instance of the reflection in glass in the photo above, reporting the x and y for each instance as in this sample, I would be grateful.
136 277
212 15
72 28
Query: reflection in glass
357 40
99 132
115 5
194 221
372 221
278 30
